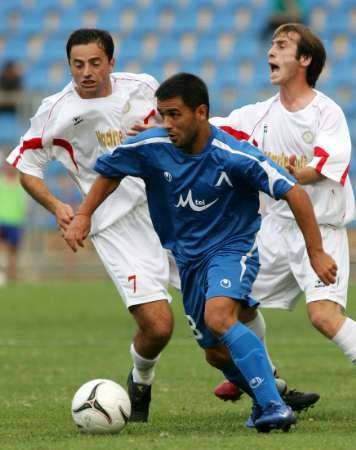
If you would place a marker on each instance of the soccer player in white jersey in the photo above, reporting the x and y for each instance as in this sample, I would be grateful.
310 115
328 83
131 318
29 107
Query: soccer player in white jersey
89 117
204 184
304 130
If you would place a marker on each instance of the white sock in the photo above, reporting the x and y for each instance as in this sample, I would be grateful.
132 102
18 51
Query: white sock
345 338
143 369
258 326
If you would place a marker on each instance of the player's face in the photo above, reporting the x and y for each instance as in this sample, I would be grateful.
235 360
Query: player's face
282 59
91 68
182 123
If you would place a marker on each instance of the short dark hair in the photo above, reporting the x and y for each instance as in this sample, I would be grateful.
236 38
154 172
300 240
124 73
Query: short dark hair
308 45
84 36
189 87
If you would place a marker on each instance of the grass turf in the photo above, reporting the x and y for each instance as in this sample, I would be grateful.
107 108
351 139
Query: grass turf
56 336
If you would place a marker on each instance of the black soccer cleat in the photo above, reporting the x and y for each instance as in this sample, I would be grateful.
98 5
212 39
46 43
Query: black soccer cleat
300 401
140 397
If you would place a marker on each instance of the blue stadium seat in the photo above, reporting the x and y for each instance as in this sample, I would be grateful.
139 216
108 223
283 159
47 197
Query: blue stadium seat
130 48
45 5
34 80
247 48
54 49
10 128
47 78
7 6
15 48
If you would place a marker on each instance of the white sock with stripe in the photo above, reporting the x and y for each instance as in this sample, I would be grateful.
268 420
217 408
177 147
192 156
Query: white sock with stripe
143 369
345 339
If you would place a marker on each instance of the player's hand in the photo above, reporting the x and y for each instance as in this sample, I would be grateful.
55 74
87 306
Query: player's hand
77 231
138 128
324 266
64 215
291 165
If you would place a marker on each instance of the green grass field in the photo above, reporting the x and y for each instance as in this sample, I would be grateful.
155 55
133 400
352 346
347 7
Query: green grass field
56 336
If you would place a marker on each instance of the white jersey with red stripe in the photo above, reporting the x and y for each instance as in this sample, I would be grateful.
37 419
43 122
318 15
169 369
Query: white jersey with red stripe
319 137
75 131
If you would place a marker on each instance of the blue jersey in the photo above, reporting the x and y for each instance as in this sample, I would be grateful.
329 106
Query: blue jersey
204 202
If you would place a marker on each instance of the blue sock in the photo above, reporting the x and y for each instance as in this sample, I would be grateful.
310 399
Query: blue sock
233 374
249 355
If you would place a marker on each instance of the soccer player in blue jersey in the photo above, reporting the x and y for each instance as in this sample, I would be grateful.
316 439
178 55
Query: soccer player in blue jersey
203 195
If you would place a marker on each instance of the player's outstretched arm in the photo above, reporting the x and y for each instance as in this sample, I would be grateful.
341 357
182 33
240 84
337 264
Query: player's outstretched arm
139 128
302 208
38 190
304 175
80 226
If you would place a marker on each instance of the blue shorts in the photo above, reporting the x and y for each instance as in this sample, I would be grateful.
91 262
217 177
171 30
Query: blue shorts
224 274
11 234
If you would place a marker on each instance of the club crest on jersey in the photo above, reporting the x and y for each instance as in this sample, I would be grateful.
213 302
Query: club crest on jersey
195 205
223 177
308 137
126 108
168 176
77 120
225 283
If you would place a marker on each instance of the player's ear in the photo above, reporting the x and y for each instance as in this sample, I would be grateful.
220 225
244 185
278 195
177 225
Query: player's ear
202 112
112 63
305 60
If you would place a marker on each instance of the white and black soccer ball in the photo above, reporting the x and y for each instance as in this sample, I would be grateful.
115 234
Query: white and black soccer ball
101 406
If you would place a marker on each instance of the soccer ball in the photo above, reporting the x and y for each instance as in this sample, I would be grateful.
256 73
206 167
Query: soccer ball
101 406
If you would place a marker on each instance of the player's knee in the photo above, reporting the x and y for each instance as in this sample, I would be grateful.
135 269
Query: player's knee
322 321
218 324
155 321
159 331
164 332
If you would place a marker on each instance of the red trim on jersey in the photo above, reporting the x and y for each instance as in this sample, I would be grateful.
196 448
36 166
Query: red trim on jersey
152 113
344 175
67 146
31 144
323 155
238 134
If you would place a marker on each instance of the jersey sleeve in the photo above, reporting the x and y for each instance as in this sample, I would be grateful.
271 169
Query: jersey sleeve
30 156
233 124
241 123
332 147
145 96
125 160
261 173
149 89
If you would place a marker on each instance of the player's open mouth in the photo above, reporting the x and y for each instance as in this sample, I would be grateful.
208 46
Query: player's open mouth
273 67
88 83
172 137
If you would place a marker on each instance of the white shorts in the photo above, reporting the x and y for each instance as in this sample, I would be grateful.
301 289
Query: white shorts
285 268
135 260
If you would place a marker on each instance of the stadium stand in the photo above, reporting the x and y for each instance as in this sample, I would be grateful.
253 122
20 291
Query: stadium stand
219 40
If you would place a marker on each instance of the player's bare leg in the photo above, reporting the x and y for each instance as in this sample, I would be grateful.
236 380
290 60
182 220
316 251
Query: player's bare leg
155 325
327 317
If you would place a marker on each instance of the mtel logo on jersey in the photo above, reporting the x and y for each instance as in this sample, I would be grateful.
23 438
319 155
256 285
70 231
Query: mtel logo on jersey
195 205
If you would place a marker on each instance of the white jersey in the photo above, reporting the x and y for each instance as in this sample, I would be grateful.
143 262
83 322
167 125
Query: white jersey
75 131
319 137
